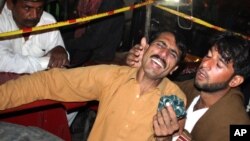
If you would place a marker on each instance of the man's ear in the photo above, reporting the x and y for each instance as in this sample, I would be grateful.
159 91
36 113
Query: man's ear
236 81
174 69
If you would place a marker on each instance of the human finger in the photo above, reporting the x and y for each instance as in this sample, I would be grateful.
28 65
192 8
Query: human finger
144 43
172 116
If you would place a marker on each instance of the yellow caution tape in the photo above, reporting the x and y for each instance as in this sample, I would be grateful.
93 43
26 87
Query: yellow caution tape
75 21
97 16
196 20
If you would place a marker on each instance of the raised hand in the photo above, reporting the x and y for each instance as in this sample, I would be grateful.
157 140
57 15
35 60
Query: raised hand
134 57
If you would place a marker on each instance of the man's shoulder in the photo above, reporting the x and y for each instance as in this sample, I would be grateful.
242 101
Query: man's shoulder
169 87
232 107
170 82
116 69
186 85
47 18
234 97
110 73
6 21
111 68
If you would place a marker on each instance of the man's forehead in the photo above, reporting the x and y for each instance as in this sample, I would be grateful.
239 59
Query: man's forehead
168 38
168 34
34 1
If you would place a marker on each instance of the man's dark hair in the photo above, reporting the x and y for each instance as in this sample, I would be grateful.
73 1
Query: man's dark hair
236 49
15 1
179 40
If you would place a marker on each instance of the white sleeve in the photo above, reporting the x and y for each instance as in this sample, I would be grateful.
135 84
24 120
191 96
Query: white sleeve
13 61
54 39
17 63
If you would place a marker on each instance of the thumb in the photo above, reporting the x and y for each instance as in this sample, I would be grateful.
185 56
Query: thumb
144 43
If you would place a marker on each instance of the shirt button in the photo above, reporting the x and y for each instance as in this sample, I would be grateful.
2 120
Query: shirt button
126 125
137 96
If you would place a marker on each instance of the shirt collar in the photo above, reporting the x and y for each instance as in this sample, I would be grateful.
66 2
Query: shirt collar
160 87
163 83
133 74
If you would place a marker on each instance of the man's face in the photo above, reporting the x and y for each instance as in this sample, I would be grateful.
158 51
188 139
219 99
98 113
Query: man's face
214 73
161 57
27 13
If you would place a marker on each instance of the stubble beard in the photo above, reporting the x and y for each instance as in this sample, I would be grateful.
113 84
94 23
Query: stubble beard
213 87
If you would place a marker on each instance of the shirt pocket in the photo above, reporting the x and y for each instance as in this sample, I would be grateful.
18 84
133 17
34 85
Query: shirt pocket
34 48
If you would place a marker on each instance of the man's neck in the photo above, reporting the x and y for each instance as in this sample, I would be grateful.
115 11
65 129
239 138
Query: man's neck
207 99
146 84
26 36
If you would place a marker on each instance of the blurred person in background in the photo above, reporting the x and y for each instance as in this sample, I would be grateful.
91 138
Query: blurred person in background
97 40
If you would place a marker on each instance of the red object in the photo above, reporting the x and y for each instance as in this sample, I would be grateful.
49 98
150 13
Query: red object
46 114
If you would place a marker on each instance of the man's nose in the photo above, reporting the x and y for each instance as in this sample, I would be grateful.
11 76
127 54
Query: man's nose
164 53
207 63
34 14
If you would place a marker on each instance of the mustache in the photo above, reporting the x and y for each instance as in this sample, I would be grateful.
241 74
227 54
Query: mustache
158 57
32 21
